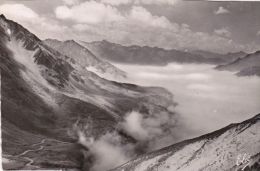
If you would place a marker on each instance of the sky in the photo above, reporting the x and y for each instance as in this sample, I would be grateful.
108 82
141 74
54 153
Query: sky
172 24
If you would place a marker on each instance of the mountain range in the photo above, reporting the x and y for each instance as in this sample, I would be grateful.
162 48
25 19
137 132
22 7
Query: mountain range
145 55
45 93
244 64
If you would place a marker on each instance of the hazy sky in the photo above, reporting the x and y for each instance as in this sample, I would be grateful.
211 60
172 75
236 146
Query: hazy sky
215 26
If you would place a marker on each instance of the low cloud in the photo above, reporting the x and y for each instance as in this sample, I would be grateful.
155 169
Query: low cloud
221 10
109 152
111 149
200 87
197 76
104 152
151 129
133 125
204 95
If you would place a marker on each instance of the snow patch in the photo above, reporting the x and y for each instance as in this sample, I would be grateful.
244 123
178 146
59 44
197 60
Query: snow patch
108 74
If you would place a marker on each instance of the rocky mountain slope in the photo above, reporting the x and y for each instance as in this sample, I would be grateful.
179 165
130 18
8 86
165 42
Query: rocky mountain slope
85 58
235 147
152 55
244 66
45 93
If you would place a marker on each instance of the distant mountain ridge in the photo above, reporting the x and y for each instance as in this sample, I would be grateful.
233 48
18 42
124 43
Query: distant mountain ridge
153 55
244 66
85 58
229 57
220 150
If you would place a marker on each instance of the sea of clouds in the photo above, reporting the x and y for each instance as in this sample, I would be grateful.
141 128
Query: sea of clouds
207 100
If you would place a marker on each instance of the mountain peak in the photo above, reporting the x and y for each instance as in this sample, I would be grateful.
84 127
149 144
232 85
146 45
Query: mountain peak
4 26
75 43
18 31
70 41
105 41
2 17
3 21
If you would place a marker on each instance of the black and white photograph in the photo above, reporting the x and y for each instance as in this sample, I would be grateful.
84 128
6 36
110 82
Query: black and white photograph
130 85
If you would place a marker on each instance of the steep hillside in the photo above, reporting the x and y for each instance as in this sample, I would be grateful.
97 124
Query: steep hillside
149 55
244 66
45 93
230 148
85 58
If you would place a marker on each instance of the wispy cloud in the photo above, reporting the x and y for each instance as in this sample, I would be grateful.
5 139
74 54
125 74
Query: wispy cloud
157 2
116 2
139 2
221 10
258 33
71 2
223 32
